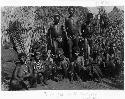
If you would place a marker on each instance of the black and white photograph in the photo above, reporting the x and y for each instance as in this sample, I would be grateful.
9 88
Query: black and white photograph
62 48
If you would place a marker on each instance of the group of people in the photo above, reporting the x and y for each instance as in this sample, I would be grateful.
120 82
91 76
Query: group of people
69 54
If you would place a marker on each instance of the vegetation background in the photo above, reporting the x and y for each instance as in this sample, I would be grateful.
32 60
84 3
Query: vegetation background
32 17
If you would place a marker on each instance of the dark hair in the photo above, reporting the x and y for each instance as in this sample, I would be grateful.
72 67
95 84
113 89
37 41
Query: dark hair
55 16
76 49
36 53
71 8
59 51
21 54
89 15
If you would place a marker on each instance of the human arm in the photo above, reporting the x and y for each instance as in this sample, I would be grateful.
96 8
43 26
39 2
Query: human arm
16 72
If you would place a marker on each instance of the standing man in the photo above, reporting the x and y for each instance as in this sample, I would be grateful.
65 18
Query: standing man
55 33
87 30
71 30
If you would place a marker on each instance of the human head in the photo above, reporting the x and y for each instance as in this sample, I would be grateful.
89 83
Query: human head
77 51
89 17
44 54
59 51
56 19
59 39
37 55
22 57
71 11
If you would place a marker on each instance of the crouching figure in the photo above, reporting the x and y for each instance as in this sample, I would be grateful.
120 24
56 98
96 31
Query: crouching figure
22 75
64 62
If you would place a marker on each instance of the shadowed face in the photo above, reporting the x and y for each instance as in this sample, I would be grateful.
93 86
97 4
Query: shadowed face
56 19
38 55
23 58
77 53
89 16
60 52
71 11
59 39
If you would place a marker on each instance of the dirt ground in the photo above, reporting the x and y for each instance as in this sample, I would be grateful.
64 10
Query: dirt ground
67 85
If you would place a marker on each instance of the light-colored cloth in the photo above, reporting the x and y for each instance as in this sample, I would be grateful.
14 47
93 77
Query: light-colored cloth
40 66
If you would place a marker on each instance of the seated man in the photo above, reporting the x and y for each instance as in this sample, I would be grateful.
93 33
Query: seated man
111 49
38 66
80 59
49 56
42 67
94 55
22 75
62 61
79 65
